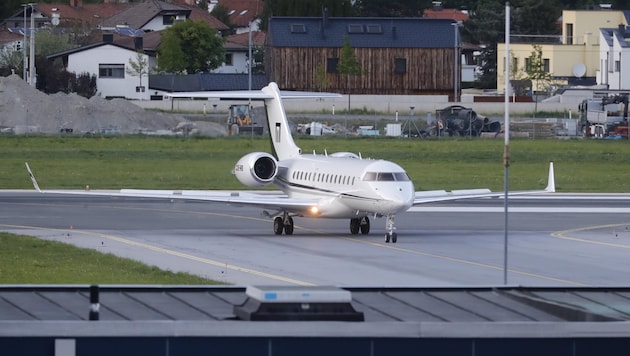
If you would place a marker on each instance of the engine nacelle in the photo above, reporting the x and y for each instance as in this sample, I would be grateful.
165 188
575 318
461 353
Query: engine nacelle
256 169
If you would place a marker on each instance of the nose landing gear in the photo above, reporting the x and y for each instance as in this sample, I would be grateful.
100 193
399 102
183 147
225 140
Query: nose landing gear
389 226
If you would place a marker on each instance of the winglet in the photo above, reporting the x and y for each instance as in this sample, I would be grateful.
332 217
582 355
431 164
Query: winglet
551 181
30 173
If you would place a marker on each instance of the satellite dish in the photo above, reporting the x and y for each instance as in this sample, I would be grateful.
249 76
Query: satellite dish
579 70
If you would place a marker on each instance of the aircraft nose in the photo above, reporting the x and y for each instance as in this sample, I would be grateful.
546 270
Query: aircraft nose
399 197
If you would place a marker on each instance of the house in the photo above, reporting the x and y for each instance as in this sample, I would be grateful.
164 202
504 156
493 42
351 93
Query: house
244 14
154 15
135 29
574 57
237 49
614 58
396 55
109 61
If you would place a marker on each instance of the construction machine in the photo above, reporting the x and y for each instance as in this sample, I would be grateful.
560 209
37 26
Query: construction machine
604 117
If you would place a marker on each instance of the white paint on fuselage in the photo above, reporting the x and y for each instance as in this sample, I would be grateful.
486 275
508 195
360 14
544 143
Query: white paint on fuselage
339 185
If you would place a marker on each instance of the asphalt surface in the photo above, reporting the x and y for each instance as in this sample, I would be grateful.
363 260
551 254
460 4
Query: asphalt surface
553 240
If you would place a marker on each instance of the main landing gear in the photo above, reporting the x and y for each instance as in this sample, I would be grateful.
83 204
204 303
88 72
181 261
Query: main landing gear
281 223
362 224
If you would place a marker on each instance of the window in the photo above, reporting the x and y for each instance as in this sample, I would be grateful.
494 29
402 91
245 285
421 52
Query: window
229 59
528 64
569 32
168 19
374 28
111 70
331 65
355 28
617 66
385 176
400 65
298 28
546 65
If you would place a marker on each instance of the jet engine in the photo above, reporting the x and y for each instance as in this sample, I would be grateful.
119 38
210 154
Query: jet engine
256 169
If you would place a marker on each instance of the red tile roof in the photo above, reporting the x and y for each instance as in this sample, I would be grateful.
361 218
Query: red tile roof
453 14
243 11
88 13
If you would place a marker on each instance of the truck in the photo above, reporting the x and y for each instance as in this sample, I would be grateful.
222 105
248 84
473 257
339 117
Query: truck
241 120
604 117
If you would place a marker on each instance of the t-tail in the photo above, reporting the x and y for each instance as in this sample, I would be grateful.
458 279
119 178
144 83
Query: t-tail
282 142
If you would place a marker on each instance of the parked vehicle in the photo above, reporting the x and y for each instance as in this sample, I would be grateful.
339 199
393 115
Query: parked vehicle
605 116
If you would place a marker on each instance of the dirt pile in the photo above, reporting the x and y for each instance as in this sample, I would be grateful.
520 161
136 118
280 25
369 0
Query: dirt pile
24 109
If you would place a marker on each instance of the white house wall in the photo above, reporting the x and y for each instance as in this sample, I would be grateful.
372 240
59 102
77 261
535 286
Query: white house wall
156 24
239 64
89 61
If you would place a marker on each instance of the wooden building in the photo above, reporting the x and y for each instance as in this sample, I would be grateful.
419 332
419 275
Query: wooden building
397 56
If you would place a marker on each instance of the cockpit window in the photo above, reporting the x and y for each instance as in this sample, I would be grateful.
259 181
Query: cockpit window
385 177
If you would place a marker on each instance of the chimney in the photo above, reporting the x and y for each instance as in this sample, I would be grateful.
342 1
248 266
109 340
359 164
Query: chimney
622 30
76 3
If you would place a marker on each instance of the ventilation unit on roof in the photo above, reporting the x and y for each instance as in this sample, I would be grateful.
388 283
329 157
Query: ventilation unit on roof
374 28
297 303
355 28
298 28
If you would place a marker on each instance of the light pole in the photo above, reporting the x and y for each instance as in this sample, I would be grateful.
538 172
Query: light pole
32 50
456 25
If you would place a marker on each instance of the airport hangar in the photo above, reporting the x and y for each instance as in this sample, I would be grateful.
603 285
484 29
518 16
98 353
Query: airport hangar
227 320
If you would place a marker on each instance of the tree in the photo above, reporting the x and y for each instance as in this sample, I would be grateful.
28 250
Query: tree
348 64
486 26
537 72
190 47
222 14
138 67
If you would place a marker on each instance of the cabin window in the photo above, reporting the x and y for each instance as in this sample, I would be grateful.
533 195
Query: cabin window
400 65
331 65
111 70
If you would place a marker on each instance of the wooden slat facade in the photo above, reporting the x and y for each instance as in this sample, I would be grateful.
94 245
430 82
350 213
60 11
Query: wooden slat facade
428 70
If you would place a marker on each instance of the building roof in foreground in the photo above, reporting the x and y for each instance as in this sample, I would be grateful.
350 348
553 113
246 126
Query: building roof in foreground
407 312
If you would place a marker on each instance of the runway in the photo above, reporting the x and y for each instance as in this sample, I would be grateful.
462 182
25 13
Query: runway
554 240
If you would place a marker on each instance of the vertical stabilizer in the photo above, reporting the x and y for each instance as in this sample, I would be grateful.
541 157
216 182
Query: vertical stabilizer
281 140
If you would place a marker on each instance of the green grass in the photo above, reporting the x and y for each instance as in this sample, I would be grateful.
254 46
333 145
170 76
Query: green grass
206 163
29 260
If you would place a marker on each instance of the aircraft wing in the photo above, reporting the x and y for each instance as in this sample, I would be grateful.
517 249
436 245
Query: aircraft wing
433 196
271 200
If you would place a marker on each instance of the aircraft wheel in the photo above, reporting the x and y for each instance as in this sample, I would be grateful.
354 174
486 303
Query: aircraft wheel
365 226
354 226
288 228
278 225
394 237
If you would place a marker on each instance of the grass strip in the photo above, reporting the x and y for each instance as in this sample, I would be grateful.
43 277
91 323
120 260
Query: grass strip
29 260
147 162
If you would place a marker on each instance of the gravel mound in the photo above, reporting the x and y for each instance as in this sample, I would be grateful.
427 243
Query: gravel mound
24 109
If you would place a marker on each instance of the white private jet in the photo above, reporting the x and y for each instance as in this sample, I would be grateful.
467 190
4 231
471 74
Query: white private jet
339 185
